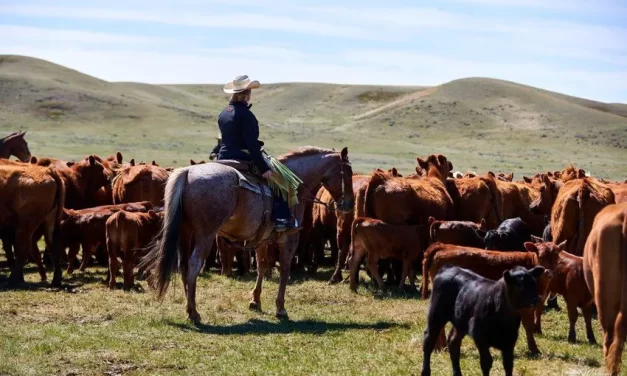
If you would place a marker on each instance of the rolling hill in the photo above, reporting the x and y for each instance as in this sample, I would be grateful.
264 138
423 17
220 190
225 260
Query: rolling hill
478 123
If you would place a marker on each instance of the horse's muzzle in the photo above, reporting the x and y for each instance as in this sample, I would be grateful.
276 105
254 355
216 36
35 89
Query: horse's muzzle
346 205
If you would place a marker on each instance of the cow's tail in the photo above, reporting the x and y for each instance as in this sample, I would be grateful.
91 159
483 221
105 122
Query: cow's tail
59 201
582 196
613 361
426 265
497 198
163 256
378 178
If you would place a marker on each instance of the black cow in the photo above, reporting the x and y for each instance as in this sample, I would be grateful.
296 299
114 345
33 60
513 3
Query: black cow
485 309
547 236
511 235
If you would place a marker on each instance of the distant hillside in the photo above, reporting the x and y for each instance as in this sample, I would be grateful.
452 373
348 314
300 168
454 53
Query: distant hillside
478 123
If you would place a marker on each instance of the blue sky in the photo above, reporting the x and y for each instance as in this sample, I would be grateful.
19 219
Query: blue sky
570 46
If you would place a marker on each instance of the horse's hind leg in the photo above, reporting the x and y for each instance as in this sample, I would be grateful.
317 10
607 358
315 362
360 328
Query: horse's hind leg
202 249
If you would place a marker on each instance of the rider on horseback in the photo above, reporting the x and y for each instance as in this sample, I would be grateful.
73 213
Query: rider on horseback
239 131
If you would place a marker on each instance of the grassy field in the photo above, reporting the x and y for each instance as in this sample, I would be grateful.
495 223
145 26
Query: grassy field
85 329
480 124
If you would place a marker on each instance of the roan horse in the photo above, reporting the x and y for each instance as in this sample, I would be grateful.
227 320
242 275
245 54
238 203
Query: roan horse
15 144
203 201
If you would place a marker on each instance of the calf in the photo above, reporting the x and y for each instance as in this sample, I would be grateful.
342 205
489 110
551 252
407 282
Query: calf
491 264
485 309
569 281
456 232
511 235
87 227
384 240
129 232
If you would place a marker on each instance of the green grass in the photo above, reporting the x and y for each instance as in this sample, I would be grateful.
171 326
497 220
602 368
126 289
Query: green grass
85 329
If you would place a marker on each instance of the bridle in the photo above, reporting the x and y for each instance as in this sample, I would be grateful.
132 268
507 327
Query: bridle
339 205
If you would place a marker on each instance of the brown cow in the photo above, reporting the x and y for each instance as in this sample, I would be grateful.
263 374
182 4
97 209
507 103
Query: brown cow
457 232
82 179
15 144
475 199
575 207
87 227
129 232
140 183
568 280
517 198
605 271
323 228
620 191
492 264
230 250
385 240
30 197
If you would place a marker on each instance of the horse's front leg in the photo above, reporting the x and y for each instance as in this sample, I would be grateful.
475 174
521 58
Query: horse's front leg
262 266
287 248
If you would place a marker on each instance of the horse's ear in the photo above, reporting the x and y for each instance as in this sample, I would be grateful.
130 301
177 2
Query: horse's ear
21 134
192 162
344 153
33 160
118 157
132 162
92 160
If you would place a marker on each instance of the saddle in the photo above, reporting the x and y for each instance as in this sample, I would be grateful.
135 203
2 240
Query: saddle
241 166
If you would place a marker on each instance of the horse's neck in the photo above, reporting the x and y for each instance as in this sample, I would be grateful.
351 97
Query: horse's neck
5 148
310 168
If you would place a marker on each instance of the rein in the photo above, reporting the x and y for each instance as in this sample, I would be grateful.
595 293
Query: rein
340 203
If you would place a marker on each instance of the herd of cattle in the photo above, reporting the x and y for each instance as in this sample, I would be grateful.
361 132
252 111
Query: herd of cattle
495 249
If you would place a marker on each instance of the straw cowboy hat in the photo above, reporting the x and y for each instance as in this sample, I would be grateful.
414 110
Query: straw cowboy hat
239 84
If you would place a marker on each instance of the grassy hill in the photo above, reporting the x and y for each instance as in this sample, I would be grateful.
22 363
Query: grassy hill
478 123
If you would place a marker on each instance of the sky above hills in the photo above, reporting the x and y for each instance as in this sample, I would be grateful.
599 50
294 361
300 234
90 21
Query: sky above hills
570 46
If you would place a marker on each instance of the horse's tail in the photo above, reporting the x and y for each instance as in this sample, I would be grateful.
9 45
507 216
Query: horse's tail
163 256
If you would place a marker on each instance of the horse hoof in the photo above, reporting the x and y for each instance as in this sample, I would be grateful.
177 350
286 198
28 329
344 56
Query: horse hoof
282 315
254 306
194 319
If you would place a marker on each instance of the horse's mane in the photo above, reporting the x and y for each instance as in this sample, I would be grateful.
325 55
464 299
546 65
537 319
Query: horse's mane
305 151
9 136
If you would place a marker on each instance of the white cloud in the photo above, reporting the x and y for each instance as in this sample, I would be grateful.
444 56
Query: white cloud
15 33
226 20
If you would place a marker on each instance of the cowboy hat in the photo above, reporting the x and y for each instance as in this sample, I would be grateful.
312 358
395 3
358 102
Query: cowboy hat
239 84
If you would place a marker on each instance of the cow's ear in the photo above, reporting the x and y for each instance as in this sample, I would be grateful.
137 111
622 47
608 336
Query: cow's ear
152 214
344 153
536 239
537 272
92 160
546 180
531 247
483 225
154 163
118 157
450 166
480 233
526 179
70 164
422 163
507 276
562 246
509 177
132 162
33 160
431 220
491 174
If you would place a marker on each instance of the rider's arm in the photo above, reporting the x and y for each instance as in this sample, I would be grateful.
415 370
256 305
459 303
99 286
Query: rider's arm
250 128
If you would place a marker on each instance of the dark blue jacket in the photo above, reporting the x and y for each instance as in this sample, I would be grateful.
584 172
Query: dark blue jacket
240 131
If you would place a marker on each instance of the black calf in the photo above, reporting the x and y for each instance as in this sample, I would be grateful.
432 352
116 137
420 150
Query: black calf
485 309
511 235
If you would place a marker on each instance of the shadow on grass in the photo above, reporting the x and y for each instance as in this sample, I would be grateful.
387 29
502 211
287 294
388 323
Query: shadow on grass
69 283
257 327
